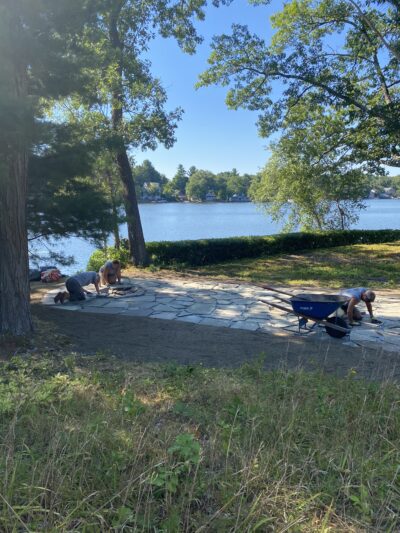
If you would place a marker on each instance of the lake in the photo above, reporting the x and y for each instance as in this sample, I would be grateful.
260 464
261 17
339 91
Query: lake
179 221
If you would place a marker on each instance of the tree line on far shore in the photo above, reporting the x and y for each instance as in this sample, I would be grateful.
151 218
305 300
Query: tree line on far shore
199 185
196 185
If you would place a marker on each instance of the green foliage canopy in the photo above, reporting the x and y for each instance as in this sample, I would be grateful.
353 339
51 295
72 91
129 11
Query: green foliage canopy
179 181
312 176
342 54
146 173
64 198
199 184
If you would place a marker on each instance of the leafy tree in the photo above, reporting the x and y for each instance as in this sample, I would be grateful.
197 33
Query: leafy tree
191 171
146 173
343 54
220 188
380 182
169 192
179 181
64 198
199 184
130 110
106 176
80 50
311 176
153 189
172 189
235 183
42 60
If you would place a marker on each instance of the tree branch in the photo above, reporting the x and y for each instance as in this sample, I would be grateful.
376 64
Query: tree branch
316 83
373 27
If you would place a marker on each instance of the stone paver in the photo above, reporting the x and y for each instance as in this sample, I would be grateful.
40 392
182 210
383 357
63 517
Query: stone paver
246 324
215 322
231 305
191 318
137 312
200 309
164 316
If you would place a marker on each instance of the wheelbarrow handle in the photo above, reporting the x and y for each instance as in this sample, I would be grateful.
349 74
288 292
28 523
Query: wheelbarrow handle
269 288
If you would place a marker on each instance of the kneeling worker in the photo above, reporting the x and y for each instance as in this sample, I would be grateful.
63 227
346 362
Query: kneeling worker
110 272
75 285
357 295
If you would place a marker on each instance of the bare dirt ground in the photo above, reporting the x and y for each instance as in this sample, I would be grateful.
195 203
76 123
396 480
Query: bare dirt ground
152 340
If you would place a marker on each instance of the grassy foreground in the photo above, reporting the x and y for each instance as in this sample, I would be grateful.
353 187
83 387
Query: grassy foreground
97 444
375 265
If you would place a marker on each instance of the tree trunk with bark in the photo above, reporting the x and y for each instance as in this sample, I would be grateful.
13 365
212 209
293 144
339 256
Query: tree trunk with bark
15 315
137 244
135 231
114 207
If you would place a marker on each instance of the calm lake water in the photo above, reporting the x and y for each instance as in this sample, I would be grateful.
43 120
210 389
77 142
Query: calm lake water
179 221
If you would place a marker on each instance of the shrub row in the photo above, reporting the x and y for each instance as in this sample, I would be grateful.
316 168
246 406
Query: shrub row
210 251
99 257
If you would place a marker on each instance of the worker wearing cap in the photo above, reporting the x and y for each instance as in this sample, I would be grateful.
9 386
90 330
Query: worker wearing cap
355 296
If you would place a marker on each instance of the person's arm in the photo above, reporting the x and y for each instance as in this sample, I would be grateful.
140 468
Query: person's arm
104 276
119 274
96 284
350 309
369 307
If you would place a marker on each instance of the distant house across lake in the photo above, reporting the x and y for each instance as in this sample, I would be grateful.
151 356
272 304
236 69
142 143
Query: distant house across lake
151 192
387 193
239 198
210 196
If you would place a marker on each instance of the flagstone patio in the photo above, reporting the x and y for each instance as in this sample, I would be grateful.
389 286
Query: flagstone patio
235 306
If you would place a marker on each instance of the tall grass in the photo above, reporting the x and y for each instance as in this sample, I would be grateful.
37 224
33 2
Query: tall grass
98 445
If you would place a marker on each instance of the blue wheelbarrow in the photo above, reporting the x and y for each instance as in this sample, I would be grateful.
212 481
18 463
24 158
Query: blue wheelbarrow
318 308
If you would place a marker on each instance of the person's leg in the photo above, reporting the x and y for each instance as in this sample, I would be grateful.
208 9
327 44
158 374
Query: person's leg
64 296
57 297
357 316
112 279
103 280
118 273
75 291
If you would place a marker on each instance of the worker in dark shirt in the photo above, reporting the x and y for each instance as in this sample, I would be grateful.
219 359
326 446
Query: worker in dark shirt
75 287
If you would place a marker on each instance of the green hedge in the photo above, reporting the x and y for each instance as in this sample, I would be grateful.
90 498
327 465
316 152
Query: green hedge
209 251
99 257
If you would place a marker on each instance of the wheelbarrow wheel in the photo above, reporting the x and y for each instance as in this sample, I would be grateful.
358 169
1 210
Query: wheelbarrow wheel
335 332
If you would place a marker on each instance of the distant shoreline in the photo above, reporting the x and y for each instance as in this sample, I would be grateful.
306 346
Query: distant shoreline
146 202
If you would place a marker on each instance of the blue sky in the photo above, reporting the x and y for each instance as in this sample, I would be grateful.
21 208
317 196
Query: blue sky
209 136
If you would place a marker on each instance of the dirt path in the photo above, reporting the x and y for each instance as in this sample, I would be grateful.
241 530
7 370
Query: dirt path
153 340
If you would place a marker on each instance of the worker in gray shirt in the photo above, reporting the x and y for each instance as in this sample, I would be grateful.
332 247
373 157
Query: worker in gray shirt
75 287
355 296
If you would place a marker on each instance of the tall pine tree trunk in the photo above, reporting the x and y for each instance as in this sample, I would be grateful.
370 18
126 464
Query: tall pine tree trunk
117 238
135 231
114 207
15 316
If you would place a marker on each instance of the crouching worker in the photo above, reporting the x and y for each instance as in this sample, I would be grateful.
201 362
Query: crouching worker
355 296
75 287
110 272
